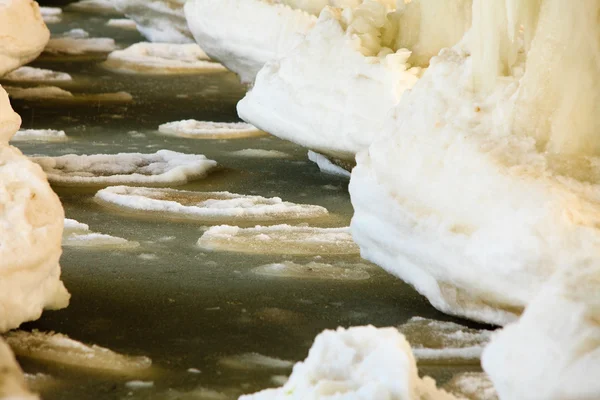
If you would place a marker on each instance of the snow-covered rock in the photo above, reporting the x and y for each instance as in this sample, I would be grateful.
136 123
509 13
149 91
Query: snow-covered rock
31 74
23 33
77 234
190 128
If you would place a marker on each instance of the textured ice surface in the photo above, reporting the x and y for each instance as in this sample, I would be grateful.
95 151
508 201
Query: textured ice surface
191 128
78 42
57 94
255 361
163 168
315 270
31 74
278 239
77 234
326 166
203 206
161 58
43 135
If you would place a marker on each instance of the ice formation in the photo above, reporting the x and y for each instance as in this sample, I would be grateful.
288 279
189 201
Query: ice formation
278 239
472 386
122 23
161 58
23 33
12 382
260 153
326 166
359 363
106 7
61 95
51 15
77 234
158 20
163 168
31 74
77 42
315 270
255 361
44 135
203 206
60 349
191 128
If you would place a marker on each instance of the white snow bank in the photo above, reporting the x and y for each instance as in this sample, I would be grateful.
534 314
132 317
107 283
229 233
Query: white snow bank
51 15
78 42
553 351
23 33
326 166
77 234
158 20
161 58
360 363
106 7
122 23
260 153
44 135
162 168
278 239
12 381
31 74
191 128
255 361
61 95
60 349
203 206
315 270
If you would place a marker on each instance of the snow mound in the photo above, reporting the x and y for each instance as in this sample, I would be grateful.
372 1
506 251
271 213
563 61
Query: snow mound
77 234
203 206
326 166
158 20
472 386
260 153
23 33
31 74
252 361
94 6
359 363
60 95
433 340
278 239
44 135
51 15
77 42
315 270
162 168
161 58
60 349
122 23
191 128
12 381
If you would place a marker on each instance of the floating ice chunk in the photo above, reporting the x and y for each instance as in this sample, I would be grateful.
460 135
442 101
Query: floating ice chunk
433 340
44 135
12 381
95 6
255 361
361 363
191 128
60 349
123 23
161 58
472 386
23 33
278 239
31 74
77 234
139 384
162 168
51 15
204 206
60 95
78 42
326 166
315 270
260 153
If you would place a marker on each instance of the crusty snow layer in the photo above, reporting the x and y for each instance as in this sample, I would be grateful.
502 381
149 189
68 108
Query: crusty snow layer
77 234
359 363
29 269
278 239
31 74
191 128
44 135
162 168
12 382
158 20
78 42
204 206
23 33
161 58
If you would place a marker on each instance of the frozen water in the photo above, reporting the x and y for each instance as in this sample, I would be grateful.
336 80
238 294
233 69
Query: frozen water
255 361
315 270
326 166
260 153
191 128
77 234
43 135
57 94
31 74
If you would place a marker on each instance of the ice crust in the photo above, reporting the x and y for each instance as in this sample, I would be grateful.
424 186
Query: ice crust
31 74
44 135
190 128
315 270
163 168
278 239
77 234
203 206
161 58
77 42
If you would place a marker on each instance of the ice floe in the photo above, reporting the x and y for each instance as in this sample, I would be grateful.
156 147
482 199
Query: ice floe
122 23
255 361
31 74
278 239
260 153
77 234
203 206
57 94
315 270
106 7
191 128
326 166
472 386
77 42
12 381
43 135
51 15
60 349
163 168
161 58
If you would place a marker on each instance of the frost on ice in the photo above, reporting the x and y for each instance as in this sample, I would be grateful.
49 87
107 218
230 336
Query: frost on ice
42 135
31 74
315 270
190 128
278 239
161 58
252 361
77 234
163 168
203 206
59 95
77 42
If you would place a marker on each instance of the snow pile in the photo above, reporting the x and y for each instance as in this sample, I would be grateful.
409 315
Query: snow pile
360 363
122 23
23 33
94 6
12 382
31 74
315 270
60 95
278 239
77 42
60 349
326 166
191 128
162 168
158 20
161 58
77 234
44 135
203 206
51 15
254 361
